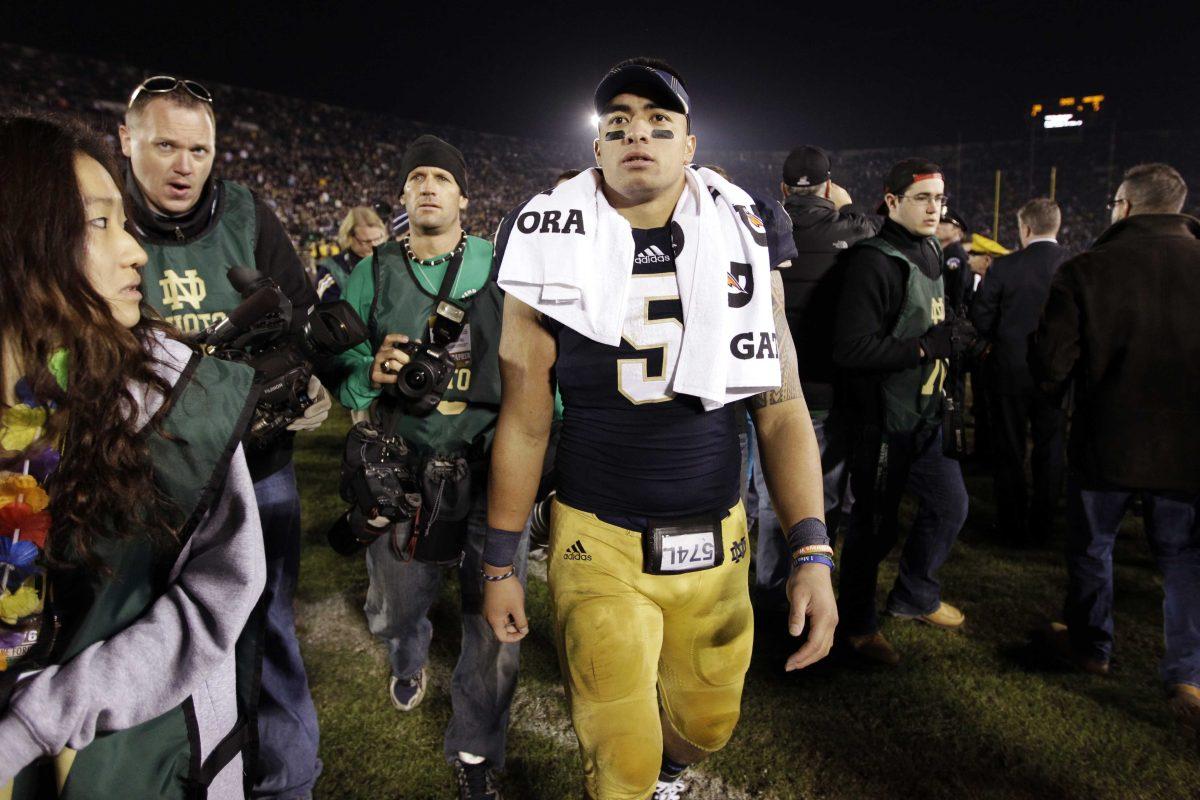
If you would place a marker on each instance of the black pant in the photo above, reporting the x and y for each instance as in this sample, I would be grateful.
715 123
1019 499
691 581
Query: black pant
984 416
1023 520
914 463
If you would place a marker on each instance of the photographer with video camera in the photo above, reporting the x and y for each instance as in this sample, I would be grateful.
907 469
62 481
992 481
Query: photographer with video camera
431 376
195 228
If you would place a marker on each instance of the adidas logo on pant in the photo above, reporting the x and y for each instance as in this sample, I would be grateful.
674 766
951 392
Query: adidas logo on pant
651 255
576 553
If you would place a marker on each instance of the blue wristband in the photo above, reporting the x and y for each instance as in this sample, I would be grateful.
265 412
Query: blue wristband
814 558
807 532
500 547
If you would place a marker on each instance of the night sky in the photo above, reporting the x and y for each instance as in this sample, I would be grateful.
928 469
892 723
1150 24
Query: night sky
841 74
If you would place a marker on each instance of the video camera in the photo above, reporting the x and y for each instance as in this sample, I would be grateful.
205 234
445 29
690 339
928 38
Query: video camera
265 332
421 382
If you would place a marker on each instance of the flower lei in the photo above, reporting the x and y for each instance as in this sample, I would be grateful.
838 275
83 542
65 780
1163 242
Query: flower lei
24 521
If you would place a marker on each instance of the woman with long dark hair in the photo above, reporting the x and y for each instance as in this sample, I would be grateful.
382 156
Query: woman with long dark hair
130 550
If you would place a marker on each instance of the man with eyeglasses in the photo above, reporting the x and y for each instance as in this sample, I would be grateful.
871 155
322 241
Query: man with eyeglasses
194 228
360 232
893 339
1120 329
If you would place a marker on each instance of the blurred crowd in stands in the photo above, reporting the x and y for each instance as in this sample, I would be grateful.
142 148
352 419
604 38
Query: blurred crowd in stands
313 161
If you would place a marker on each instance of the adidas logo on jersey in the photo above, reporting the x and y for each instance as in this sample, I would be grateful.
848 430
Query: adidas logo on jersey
651 255
576 553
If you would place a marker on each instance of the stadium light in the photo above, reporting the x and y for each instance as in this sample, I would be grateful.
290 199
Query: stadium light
594 120
1061 121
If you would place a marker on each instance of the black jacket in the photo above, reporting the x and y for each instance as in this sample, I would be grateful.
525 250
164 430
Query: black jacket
1123 322
822 234
1007 308
871 299
958 279
274 256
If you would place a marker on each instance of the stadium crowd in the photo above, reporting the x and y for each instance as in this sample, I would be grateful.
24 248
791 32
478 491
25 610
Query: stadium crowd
312 161
862 406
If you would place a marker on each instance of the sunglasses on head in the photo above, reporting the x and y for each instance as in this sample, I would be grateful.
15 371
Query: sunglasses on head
164 84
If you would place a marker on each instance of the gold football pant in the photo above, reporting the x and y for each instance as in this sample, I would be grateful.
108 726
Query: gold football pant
629 643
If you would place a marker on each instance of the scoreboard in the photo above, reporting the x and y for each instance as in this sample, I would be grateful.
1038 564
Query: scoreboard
1066 113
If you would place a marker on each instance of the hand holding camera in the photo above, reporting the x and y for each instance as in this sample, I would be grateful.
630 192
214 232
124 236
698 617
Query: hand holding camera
417 374
389 360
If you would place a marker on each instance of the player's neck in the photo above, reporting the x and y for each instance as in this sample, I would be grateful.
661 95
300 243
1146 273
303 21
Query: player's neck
430 244
652 213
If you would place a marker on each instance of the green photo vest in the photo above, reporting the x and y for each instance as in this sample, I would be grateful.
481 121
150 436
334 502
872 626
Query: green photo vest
912 398
187 282
160 758
464 422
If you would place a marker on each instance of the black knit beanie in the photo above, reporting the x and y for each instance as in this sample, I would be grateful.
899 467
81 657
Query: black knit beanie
430 151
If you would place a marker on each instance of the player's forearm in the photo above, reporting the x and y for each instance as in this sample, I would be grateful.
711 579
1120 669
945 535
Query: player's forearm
791 462
522 433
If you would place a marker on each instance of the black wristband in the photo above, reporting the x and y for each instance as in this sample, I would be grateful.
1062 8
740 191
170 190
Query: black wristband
806 532
500 547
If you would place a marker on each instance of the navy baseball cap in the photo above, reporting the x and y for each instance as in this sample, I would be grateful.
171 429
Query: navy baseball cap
659 85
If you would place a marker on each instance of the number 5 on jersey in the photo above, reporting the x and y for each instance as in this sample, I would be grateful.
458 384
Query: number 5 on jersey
654 324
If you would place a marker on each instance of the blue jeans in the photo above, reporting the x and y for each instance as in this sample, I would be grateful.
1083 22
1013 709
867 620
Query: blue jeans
398 601
914 463
1173 526
772 561
287 721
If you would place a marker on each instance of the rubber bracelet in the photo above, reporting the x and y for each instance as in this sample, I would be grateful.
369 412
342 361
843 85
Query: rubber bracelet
500 547
813 559
813 548
494 578
807 532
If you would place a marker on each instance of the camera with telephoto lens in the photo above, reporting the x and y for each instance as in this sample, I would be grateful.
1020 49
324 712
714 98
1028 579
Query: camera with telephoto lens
266 333
421 382
380 486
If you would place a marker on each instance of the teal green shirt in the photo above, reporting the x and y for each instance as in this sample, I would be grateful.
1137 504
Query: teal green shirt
357 392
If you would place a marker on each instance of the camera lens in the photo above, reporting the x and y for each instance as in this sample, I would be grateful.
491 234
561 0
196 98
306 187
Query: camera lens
415 379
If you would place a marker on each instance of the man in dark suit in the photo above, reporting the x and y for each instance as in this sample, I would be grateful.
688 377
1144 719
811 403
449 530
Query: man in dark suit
1006 310
1121 324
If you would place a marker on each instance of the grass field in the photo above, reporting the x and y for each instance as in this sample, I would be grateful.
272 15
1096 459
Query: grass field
971 714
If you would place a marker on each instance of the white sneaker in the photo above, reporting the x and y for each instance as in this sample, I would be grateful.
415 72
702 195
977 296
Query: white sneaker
407 694
669 791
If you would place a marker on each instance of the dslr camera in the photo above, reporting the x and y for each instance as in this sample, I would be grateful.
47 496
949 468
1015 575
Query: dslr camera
421 382
378 483
265 332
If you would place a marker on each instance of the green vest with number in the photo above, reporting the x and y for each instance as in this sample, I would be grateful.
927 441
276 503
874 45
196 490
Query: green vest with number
187 281
912 398
465 420
160 758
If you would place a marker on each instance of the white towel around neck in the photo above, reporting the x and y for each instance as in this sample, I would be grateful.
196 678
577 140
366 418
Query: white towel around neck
570 255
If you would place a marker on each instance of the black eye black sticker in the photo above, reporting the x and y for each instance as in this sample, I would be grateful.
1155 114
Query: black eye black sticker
662 133
612 136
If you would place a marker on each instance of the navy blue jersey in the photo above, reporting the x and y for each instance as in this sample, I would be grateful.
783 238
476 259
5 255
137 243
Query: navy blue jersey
629 446
781 247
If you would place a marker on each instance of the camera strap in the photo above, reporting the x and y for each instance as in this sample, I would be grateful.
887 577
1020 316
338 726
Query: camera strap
443 293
